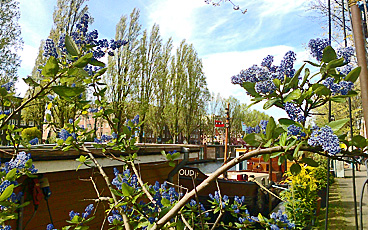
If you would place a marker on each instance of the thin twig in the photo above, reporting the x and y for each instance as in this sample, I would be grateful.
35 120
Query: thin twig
217 220
186 222
198 204
109 185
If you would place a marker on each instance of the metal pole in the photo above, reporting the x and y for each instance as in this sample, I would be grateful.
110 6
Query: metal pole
351 128
329 119
359 41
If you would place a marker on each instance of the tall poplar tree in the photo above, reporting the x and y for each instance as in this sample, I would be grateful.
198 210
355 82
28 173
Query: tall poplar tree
10 40
161 97
148 61
122 72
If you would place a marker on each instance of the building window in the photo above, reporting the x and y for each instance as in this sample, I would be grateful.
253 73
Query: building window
31 123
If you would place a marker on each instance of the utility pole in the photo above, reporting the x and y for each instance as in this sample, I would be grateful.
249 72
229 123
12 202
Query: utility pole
227 126
359 41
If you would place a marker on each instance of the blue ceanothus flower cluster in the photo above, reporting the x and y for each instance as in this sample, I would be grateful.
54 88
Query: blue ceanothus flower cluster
325 138
261 127
22 164
343 87
297 131
317 46
83 38
294 112
263 75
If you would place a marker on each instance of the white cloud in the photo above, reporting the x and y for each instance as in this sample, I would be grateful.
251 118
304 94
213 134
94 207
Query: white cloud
176 18
219 68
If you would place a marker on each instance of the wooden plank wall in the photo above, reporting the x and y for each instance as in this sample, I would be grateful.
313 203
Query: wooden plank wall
69 193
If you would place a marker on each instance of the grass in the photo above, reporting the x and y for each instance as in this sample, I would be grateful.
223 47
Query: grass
336 219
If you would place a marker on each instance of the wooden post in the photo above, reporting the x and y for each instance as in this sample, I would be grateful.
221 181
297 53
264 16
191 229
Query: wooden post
227 125
359 41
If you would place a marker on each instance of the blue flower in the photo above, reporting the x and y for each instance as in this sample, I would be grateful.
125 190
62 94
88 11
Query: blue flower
151 220
192 203
50 227
267 61
64 134
317 46
93 110
325 138
50 49
87 211
171 153
19 162
34 141
346 53
72 214
50 97
294 112
8 86
265 87
136 120
115 216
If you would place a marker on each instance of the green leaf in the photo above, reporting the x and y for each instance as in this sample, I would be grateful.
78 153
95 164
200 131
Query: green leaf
312 63
29 81
7 192
83 61
293 95
337 125
277 82
285 123
321 90
249 87
336 63
338 99
270 103
127 190
28 164
353 75
100 72
305 78
266 157
296 150
281 160
3 92
277 132
10 176
180 225
97 63
271 125
276 154
359 141
65 91
283 139
253 139
329 54
295 169
294 81
309 161
71 47
78 72
165 202
51 67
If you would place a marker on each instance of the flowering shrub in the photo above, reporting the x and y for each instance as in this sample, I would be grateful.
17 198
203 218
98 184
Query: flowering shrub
73 68
21 164
301 197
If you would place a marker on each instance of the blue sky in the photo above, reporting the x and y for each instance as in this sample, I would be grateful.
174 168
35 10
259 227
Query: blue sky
226 40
